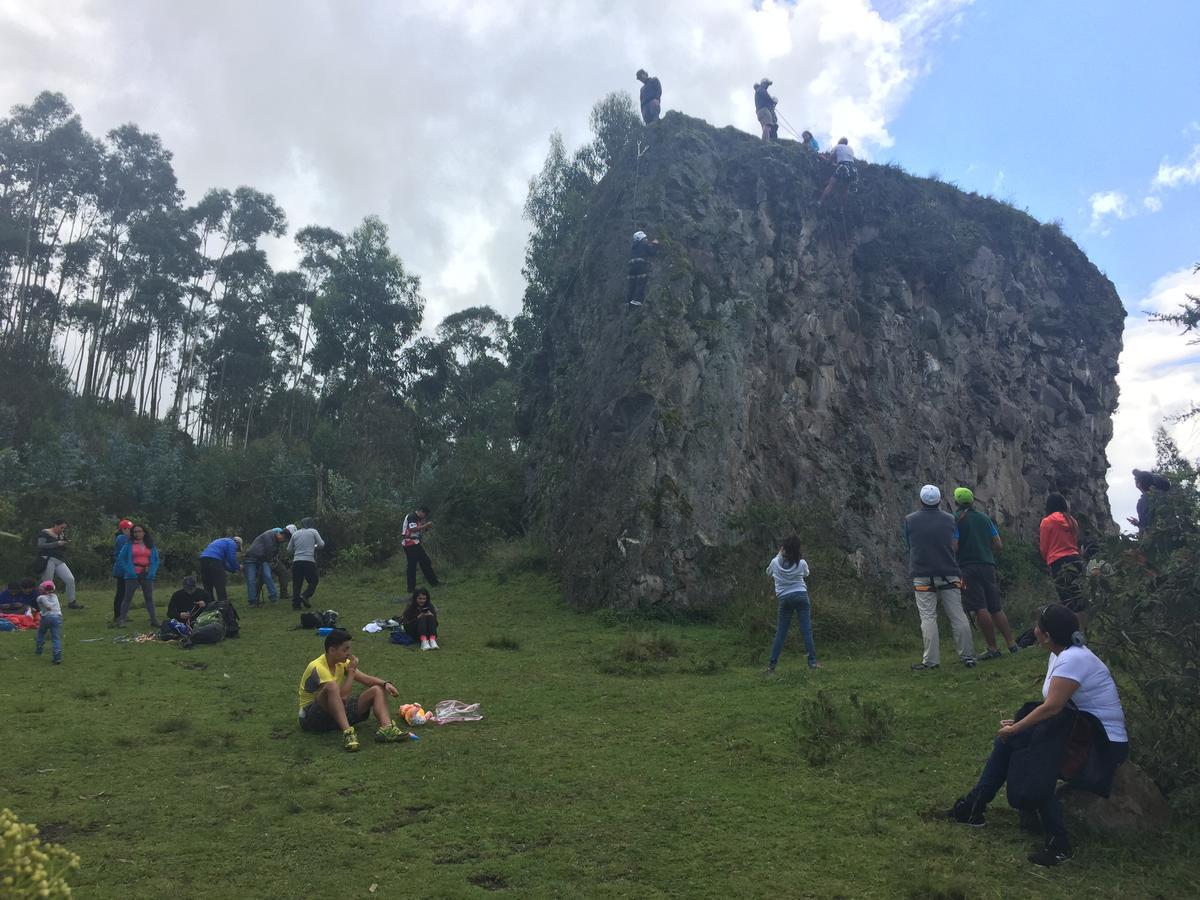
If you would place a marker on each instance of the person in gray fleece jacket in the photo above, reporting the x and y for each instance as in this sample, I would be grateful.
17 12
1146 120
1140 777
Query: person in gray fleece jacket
303 547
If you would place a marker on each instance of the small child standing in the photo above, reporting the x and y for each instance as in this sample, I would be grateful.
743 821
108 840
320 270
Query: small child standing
420 619
51 621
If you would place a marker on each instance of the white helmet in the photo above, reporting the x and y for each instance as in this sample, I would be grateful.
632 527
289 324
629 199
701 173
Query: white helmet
931 495
639 235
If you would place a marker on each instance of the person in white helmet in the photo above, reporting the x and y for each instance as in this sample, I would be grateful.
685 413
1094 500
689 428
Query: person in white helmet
639 268
932 538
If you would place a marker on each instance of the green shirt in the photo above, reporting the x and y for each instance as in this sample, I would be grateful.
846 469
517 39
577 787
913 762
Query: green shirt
975 533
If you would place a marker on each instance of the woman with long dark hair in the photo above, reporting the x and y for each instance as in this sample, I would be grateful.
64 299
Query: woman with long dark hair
420 619
1058 540
1028 750
138 565
789 570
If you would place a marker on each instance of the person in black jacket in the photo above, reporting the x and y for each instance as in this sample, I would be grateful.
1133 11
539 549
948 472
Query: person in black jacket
1152 486
419 619
1074 675
764 108
639 268
650 96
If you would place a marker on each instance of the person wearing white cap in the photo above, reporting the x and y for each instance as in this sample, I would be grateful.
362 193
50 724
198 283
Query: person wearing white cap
639 268
932 538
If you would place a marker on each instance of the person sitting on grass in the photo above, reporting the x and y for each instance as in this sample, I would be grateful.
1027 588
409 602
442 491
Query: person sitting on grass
1075 676
17 598
188 600
326 701
420 619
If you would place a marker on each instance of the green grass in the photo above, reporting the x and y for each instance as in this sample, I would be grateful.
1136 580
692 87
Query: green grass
614 761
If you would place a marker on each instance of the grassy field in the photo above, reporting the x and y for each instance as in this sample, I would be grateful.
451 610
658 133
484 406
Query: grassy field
611 763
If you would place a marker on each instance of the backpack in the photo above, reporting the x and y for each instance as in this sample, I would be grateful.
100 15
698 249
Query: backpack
310 620
223 613
329 619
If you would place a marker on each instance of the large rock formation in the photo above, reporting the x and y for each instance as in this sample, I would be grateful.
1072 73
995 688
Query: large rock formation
830 359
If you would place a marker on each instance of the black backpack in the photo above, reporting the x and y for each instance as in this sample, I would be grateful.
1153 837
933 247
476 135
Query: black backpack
228 615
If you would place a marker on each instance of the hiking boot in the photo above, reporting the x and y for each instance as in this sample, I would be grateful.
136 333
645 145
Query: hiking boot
991 654
307 605
390 734
923 666
433 644
965 812
425 644
350 740
1056 851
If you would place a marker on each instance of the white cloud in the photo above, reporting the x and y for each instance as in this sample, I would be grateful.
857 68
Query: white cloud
1152 203
1171 176
433 114
1159 379
1105 204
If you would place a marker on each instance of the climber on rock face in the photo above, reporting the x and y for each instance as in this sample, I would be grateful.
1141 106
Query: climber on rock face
808 142
639 267
764 108
651 96
844 172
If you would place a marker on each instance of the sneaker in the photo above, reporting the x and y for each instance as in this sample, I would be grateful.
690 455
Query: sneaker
425 644
991 654
350 740
816 665
1014 649
965 813
389 734
433 645
923 666
57 658
1052 854
969 662
37 651
770 670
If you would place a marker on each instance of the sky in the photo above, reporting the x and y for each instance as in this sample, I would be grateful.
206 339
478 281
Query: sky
434 115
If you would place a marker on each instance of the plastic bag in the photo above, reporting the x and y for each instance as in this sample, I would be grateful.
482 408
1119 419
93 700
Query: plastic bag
450 711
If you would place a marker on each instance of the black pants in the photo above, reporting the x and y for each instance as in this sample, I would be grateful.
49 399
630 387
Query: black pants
417 556
214 577
118 599
303 570
422 626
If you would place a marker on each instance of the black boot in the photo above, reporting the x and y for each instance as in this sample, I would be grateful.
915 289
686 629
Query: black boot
1057 850
968 811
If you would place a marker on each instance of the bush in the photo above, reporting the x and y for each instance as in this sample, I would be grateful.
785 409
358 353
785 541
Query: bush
824 731
1147 625
29 868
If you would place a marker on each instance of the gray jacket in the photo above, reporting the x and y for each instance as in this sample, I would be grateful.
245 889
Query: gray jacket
49 545
932 536
264 548
304 545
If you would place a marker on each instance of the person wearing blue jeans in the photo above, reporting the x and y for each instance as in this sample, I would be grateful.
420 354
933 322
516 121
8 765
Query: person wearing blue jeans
257 563
789 570
51 621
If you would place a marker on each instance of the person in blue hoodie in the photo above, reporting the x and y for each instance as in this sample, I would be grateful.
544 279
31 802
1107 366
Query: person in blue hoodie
218 560
120 539
138 565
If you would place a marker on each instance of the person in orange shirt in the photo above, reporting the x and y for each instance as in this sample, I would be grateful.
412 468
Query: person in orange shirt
1058 540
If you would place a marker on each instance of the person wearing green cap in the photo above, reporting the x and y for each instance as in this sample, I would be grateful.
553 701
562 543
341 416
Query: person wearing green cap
978 539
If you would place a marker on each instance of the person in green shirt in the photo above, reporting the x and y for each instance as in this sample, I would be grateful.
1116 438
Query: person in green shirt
978 539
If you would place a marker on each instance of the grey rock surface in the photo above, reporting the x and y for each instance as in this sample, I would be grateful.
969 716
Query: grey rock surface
832 360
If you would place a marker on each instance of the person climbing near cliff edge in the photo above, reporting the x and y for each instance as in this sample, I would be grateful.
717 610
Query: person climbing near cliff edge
650 97
764 108
808 142
639 267
844 172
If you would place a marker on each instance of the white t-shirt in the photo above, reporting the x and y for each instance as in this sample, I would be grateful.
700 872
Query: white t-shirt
842 153
788 581
1097 692
48 605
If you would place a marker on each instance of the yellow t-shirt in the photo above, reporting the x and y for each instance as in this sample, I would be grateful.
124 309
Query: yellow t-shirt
316 675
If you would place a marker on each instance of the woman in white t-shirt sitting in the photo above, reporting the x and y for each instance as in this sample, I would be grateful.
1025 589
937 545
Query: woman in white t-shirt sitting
1074 675
789 571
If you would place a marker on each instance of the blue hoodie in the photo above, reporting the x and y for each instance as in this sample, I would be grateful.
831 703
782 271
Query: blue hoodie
118 542
224 549
124 567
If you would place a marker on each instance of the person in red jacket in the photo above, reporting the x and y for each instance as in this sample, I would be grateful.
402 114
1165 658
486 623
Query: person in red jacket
1058 539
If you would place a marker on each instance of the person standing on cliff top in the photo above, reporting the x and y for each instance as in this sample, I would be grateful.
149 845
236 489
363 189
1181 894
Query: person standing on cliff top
844 172
764 108
932 538
978 539
650 96
639 268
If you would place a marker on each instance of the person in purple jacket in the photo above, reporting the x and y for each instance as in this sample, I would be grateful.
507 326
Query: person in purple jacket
216 562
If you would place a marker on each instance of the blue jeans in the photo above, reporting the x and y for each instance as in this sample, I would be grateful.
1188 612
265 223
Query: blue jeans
52 624
799 604
995 773
253 567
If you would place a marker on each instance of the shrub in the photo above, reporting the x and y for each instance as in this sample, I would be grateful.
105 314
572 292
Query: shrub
824 731
29 868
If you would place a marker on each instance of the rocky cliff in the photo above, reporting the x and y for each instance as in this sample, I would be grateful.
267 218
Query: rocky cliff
827 360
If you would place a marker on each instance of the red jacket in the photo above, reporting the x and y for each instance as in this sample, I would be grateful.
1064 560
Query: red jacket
1058 537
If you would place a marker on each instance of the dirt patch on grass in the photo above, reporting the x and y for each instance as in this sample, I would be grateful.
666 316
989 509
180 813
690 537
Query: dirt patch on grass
489 881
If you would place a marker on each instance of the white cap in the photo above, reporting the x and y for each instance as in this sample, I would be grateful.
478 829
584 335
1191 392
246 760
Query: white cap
639 235
930 495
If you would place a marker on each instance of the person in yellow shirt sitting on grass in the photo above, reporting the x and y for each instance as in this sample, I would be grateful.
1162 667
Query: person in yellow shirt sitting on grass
327 701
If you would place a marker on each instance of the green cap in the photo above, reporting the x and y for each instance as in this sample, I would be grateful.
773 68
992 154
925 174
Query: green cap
963 496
